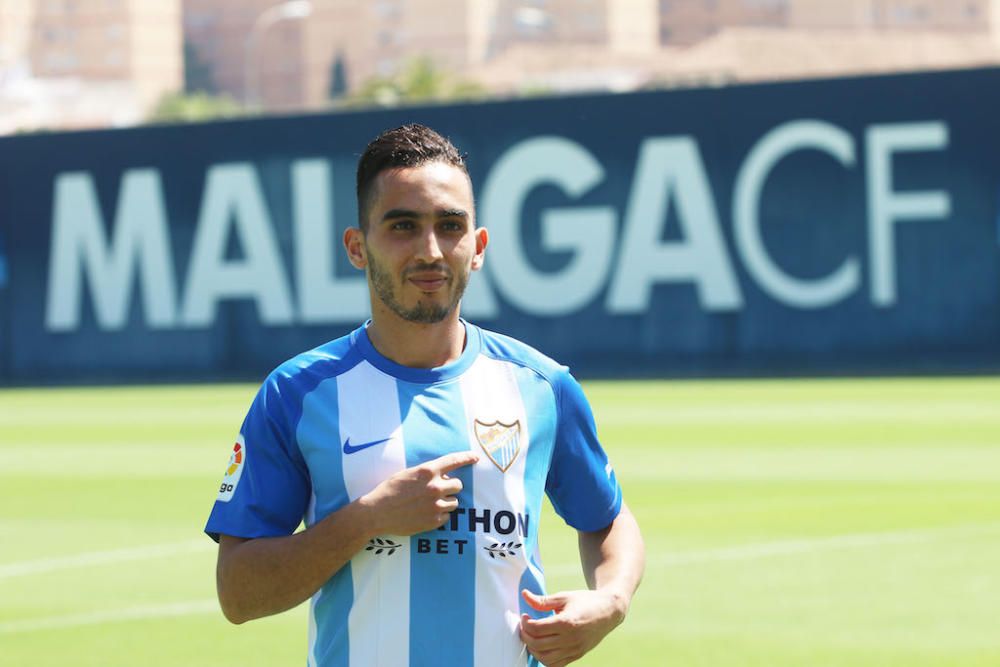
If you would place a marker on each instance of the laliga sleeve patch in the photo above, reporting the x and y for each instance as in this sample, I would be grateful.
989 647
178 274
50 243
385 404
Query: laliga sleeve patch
237 461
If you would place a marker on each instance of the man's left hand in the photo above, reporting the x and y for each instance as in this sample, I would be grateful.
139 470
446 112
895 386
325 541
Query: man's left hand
581 620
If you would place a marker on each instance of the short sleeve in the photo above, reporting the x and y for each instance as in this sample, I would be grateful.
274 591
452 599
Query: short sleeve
581 482
265 486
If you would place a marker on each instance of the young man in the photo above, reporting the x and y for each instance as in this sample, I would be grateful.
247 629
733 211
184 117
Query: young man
417 449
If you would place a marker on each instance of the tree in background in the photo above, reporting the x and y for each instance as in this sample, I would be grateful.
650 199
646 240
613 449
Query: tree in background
199 101
189 108
338 78
198 75
419 80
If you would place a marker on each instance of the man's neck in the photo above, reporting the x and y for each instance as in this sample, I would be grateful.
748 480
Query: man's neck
414 344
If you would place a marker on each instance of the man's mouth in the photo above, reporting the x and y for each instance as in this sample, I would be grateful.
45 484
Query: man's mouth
428 282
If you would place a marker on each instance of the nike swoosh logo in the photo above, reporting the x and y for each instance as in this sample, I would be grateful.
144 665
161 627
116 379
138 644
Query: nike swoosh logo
351 449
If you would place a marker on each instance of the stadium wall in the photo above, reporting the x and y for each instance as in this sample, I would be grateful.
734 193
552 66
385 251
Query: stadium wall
837 226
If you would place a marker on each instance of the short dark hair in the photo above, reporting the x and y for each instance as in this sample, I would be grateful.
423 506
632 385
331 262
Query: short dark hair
411 145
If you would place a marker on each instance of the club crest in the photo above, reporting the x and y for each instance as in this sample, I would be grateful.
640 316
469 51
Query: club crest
501 442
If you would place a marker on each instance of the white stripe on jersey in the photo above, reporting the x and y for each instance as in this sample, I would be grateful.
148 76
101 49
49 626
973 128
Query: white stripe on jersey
311 660
379 621
491 393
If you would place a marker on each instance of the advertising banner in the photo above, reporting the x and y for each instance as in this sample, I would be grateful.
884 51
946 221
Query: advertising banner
834 226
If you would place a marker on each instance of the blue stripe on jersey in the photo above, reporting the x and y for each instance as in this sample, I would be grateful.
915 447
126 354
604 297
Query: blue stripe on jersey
331 610
316 435
276 491
442 585
540 403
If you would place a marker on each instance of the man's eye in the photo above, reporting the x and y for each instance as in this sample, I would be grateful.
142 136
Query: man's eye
451 226
403 225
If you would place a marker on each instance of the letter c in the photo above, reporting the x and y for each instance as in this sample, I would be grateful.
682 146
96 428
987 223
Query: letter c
775 145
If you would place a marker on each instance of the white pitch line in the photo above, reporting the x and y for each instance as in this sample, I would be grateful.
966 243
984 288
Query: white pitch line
45 565
743 552
787 547
111 615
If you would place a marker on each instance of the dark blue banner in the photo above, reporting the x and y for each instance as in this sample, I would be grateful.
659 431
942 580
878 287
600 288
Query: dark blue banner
812 227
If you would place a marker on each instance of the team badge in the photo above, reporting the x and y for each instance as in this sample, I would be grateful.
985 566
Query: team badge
237 461
501 442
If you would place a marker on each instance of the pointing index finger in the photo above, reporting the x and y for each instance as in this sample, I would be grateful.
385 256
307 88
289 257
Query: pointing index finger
453 461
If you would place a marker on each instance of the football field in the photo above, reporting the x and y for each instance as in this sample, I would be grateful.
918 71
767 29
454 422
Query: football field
787 523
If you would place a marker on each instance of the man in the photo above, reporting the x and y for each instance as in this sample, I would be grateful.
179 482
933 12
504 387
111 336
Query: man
417 449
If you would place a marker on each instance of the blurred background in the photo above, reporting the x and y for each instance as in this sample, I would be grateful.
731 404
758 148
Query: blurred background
71 64
764 233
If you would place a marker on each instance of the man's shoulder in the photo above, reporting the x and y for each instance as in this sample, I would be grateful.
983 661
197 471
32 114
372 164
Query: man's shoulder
308 369
506 348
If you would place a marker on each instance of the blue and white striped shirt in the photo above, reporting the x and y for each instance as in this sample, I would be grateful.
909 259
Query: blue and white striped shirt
330 424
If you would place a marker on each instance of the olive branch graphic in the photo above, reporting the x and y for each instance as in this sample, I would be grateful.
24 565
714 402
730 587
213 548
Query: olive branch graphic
380 544
503 549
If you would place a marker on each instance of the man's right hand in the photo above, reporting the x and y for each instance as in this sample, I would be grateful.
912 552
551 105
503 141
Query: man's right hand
263 576
417 499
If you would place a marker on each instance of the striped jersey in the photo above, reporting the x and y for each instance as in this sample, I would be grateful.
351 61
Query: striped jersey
329 425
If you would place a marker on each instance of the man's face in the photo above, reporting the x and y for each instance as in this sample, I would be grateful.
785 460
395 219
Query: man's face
421 243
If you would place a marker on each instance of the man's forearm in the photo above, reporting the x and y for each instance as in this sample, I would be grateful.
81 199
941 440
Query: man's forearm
265 576
614 559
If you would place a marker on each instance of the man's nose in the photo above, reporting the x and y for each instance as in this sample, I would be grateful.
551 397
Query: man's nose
428 248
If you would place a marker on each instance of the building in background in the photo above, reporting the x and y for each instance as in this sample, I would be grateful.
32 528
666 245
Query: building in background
513 46
743 55
287 62
958 16
714 42
81 63
291 63
612 25
757 40
687 22
15 35
569 46
378 38
249 51
86 63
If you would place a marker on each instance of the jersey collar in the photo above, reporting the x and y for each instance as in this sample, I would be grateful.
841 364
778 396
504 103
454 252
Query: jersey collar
473 342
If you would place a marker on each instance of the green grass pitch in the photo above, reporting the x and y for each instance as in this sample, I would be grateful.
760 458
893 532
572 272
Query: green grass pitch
788 523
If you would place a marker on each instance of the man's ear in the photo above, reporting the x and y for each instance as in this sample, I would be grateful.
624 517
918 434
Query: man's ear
354 243
482 239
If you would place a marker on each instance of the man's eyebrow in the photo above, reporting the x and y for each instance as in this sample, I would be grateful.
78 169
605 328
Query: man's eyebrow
395 213
399 213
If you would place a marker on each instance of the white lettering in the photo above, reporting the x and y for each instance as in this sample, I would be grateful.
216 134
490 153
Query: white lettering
672 167
109 263
588 232
479 301
233 201
323 296
775 145
887 207
80 248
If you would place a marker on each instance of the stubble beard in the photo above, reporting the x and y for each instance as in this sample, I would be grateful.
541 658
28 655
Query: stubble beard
421 313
